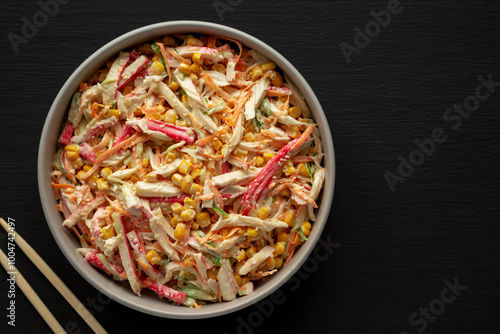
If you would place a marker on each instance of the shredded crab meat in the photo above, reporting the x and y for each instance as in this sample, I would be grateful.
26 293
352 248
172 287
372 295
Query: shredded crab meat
191 169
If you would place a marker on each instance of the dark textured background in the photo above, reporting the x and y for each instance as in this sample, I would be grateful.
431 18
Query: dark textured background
397 248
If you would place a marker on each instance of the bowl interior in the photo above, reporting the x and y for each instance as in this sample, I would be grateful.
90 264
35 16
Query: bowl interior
120 291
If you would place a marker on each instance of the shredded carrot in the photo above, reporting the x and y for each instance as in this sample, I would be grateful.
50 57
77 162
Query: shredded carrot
237 43
177 56
211 41
208 139
104 141
162 49
218 196
219 91
63 186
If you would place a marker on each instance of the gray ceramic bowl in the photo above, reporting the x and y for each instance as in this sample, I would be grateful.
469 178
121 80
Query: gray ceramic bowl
120 291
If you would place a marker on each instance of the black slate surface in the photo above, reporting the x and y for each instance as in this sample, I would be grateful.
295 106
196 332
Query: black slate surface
421 258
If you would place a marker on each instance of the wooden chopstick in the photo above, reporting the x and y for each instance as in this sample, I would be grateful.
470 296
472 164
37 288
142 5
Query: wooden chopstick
31 295
56 281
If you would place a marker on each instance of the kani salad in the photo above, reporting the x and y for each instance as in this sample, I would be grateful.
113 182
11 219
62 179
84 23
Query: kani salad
189 166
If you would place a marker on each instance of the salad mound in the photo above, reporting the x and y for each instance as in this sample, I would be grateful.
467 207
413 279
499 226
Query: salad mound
189 166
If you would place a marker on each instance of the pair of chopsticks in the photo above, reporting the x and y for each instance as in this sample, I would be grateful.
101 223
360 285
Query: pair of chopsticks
52 277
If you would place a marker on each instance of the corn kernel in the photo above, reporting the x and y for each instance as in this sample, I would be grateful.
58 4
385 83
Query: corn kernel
170 116
177 179
251 252
102 184
195 188
184 98
240 264
105 172
268 156
193 77
289 171
189 203
171 155
292 131
157 67
72 155
241 256
177 208
185 166
280 248
79 174
283 236
195 226
86 168
306 225
288 168
270 263
127 90
168 40
225 231
187 181
278 81
151 177
303 171
174 86
289 216
179 231
211 273
268 66
196 173
285 192
108 232
195 68
188 214
197 58
216 144
92 181
72 148
264 212
278 262
145 163
113 113
188 262
176 219
185 69
295 111
237 278
78 163
219 68
259 161
249 137
203 219
252 232
306 232
153 256
240 153
194 41
256 72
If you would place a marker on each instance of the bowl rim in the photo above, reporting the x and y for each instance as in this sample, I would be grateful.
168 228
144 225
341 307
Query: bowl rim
122 293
